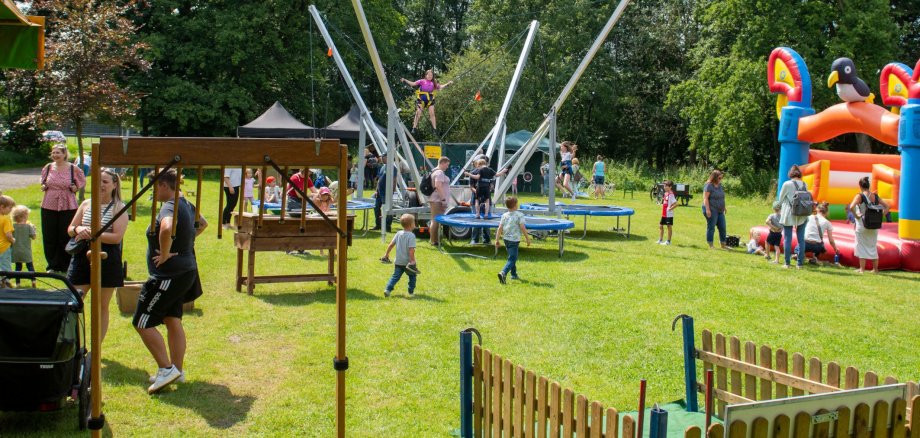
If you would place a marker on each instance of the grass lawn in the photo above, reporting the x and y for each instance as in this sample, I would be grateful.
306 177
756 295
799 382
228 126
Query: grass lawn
597 320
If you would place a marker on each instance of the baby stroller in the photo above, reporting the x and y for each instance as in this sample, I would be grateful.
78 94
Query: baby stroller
43 356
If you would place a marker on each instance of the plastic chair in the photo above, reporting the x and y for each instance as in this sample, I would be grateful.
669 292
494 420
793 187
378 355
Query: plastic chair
629 186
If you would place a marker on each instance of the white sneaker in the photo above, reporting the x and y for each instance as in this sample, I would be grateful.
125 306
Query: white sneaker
181 378
667 242
164 377
659 242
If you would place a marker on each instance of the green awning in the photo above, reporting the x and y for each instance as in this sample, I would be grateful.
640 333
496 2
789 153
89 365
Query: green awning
516 140
22 38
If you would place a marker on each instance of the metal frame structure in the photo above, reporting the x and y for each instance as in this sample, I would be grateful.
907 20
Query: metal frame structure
179 153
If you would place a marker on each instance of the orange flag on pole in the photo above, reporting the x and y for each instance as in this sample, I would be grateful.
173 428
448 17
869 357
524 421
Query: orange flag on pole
478 96
329 52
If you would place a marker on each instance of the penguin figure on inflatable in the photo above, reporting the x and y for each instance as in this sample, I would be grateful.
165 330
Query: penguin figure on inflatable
850 88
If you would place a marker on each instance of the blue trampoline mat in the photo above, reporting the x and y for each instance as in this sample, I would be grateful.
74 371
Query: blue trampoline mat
582 209
532 223
352 205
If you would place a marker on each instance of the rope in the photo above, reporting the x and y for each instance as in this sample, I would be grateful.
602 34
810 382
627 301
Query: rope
492 53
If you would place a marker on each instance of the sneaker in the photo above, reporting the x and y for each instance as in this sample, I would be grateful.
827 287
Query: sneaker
411 295
181 378
659 242
501 277
386 293
413 269
474 242
666 242
385 259
515 277
164 377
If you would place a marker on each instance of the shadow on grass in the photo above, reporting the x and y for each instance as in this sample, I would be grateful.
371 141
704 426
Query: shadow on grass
215 403
302 299
114 373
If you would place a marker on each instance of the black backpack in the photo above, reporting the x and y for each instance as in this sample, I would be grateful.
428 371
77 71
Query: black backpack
803 204
875 214
427 187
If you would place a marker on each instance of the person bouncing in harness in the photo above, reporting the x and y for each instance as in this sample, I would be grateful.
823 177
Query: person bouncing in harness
424 97
173 281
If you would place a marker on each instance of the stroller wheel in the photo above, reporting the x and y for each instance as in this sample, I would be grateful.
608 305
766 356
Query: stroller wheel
84 409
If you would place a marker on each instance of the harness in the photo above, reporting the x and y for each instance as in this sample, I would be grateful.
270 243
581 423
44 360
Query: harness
424 98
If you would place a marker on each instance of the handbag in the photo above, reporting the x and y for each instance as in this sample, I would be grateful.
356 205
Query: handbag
75 247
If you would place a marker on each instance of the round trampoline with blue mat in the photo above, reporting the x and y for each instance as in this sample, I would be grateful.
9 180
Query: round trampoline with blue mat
275 208
586 210
540 224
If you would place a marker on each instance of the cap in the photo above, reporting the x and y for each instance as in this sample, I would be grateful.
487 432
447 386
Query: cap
270 179
325 191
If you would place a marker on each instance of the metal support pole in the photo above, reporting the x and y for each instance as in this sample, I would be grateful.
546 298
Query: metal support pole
390 173
466 384
362 161
658 424
689 363
96 417
552 160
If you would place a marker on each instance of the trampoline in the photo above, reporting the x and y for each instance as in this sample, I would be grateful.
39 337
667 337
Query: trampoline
541 224
586 210
275 209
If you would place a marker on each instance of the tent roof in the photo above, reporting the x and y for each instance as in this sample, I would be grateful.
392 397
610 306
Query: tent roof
348 126
22 40
276 122
516 140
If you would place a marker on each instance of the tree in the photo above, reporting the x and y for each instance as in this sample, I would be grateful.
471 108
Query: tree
90 45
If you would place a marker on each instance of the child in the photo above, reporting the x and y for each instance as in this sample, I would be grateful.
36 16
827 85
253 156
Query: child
753 245
323 199
484 176
404 241
775 237
668 204
249 185
23 233
272 191
6 237
511 228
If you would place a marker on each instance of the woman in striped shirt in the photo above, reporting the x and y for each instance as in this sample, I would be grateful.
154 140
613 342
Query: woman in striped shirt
81 228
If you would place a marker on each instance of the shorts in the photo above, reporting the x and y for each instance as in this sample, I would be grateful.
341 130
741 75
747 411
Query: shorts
666 221
815 247
483 195
567 168
163 297
775 238
423 100
113 274
598 179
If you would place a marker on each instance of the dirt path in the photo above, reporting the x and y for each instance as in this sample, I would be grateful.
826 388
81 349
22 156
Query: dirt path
19 178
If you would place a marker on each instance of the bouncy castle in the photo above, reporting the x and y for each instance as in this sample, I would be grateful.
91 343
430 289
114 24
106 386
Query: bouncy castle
833 176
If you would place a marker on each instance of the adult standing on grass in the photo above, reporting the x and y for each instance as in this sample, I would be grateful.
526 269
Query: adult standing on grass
714 208
598 173
866 238
233 178
61 180
81 229
439 198
790 220
173 281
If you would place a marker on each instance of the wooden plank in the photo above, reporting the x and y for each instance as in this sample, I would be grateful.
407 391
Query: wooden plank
261 279
706 341
581 416
823 429
728 397
497 396
693 432
801 425
488 393
815 368
507 397
899 418
555 405
782 426
477 391
738 429
760 428
842 424
833 374
790 380
851 381
542 406
597 420
530 403
870 379
782 367
629 427
568 414
798 370
716 430
518 406
613 424
734 352
766 361
721 374
915 416
861 421
890 380
750 382
219 151
880 420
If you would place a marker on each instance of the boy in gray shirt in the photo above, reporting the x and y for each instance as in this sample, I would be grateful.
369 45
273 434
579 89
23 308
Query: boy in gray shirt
404 241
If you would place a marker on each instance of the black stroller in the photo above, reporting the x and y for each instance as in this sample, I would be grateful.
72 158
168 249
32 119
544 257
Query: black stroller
43 355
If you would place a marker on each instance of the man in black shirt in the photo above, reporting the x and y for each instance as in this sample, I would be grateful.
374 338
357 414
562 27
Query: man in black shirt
173 281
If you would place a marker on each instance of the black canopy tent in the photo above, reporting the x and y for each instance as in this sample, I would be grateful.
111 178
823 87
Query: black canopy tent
276 122
347 127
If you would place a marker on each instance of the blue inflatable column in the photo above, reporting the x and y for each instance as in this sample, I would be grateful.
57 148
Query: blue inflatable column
792 151
909 145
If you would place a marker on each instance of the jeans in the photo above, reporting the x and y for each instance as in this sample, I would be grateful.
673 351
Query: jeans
6 260
511 264
787 243
55 238
716 219
231 203
397 274
378 213
481 233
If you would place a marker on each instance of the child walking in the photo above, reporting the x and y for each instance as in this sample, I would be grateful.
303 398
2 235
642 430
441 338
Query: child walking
511 228
668 204
775 237
404 242
24 233
6 237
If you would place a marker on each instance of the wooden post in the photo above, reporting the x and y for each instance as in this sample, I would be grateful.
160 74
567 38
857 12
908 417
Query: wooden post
261 195
242 199
153 203
175 218
134 193
220 205
284 188
96 298
198 199
341 289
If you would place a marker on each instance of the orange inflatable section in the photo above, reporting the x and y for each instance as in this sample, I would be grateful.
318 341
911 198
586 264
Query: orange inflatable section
854 162
852 117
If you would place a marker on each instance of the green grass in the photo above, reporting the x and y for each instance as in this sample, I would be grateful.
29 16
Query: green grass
597 320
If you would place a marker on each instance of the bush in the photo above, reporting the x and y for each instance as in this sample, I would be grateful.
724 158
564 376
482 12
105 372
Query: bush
16 159
749 182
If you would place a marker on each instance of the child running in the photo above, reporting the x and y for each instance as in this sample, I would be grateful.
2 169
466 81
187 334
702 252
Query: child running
775 237
24 233
404 241
511 228
668 204
6 237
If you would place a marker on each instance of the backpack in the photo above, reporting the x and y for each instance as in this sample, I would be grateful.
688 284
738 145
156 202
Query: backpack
875 214
426 186
47 169
802 202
